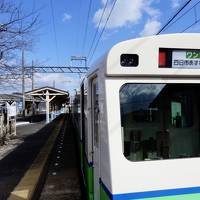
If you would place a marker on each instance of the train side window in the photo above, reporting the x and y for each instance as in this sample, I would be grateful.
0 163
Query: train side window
95 111
85 111
160 121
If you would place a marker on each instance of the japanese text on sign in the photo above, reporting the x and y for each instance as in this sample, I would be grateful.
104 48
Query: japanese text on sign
185 59
192 54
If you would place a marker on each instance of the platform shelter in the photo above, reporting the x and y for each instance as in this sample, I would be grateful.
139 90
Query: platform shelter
52 97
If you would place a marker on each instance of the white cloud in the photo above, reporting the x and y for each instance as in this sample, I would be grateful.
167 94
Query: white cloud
151 27
66 17
126 12
175 3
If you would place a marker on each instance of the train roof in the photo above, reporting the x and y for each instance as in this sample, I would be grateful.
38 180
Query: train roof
147 49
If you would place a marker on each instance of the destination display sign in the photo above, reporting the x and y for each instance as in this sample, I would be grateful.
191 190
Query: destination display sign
186 59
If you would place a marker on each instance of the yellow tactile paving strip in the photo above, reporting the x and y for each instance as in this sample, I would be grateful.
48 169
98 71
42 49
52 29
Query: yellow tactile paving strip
28 184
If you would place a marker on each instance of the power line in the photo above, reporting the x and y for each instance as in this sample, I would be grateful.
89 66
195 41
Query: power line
162 29
173 17
103 29
186 12
78 25
54 30
86 28
196 22
94 38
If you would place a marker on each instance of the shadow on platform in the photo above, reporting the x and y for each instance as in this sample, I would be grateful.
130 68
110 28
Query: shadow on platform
16 163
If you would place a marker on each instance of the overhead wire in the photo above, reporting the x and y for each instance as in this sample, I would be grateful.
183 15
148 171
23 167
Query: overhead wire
196 22
97 30
78 25
54 29
173 17
87 23
167 24
181 16
101 33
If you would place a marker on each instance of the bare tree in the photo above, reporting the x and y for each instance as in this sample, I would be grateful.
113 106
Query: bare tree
16 27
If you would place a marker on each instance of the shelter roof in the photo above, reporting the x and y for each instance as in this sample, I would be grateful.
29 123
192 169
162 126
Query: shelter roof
51 90
9 97
58 96
16 97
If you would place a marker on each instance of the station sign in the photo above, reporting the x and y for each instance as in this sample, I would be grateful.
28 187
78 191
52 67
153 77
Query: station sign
186 59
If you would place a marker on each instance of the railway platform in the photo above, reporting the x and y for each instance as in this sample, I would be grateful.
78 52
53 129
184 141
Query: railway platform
62 182
43 166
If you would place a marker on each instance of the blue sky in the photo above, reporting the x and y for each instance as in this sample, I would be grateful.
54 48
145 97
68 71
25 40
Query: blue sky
129 19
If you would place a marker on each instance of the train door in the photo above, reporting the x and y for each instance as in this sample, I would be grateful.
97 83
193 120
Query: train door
83 130
95 136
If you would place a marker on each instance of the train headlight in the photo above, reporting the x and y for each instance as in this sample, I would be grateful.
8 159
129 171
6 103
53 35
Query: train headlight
129 60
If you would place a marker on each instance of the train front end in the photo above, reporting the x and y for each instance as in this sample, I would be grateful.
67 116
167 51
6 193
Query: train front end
152 92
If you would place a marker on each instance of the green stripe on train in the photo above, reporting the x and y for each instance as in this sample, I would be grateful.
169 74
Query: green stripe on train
89 180
178 197
88 169
103 194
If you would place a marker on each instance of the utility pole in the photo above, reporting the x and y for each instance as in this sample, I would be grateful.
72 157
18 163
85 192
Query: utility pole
47 106
33 86
32 76
23 84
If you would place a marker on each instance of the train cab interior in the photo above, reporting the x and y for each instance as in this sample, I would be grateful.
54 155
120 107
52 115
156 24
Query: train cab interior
160 121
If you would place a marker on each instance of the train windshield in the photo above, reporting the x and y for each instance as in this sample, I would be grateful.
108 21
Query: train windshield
160 121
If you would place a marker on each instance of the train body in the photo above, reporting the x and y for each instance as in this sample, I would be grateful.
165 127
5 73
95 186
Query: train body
140 121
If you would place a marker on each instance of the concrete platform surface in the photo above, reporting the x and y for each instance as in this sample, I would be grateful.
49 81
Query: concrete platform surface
27 188
15 164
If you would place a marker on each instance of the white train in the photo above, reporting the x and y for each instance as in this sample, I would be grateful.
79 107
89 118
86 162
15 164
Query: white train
140 121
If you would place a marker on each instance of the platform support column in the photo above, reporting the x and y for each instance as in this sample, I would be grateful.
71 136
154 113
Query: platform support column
48 100
1 125
47 106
